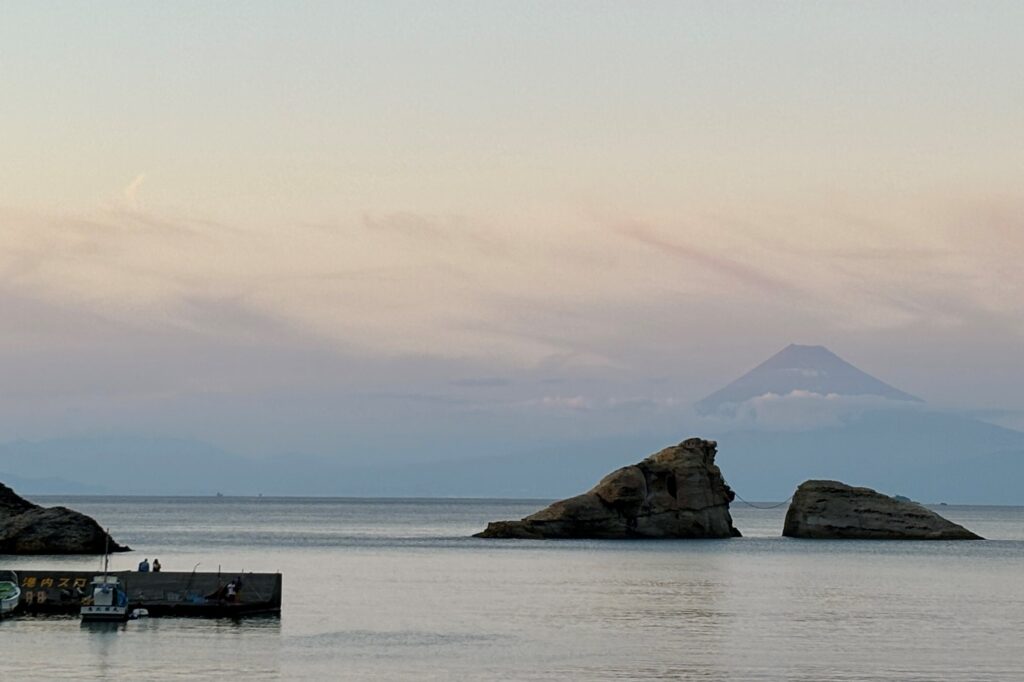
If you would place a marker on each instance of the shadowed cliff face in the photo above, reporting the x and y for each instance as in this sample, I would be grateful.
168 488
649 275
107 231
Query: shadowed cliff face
678 492
834 510
12 504
27 528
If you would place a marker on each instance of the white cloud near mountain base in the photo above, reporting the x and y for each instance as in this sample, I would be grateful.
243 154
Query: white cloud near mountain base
798 411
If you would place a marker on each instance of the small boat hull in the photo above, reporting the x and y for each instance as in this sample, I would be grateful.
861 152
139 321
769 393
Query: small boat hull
10 594
8 606
109 602
104 614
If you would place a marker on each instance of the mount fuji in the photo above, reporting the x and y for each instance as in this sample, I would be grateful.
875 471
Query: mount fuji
807 413
800 370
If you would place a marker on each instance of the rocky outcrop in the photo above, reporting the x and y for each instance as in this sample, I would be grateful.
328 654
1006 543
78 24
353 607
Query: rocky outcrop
676 493
834 510
27 528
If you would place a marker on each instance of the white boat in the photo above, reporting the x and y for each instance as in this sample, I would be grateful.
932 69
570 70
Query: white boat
10 593
109 601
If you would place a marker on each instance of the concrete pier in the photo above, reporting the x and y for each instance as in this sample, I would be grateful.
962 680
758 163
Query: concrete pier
162 594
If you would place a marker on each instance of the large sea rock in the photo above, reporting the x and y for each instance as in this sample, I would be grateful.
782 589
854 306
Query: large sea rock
676 493
834 510
27 528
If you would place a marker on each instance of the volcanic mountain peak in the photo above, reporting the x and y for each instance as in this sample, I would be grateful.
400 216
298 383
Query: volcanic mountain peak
813 369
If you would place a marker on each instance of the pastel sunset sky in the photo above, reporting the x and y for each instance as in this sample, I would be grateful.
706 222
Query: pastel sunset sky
329 227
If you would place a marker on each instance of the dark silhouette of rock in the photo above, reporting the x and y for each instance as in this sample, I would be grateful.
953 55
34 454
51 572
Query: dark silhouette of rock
27 528
834 510
676 493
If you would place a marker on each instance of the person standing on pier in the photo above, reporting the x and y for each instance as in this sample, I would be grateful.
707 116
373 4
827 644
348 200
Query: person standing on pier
144 566
156 565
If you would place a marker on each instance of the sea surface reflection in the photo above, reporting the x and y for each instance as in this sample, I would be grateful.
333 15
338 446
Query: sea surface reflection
396 589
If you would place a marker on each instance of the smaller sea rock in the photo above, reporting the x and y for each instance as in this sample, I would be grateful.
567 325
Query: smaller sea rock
832 510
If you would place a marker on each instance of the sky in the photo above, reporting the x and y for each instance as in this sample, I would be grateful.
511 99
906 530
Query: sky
375 229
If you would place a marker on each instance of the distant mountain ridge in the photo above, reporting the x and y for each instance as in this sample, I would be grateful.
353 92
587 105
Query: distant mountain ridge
925 454
811 369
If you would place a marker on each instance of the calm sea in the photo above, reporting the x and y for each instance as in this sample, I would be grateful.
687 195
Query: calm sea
396 589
